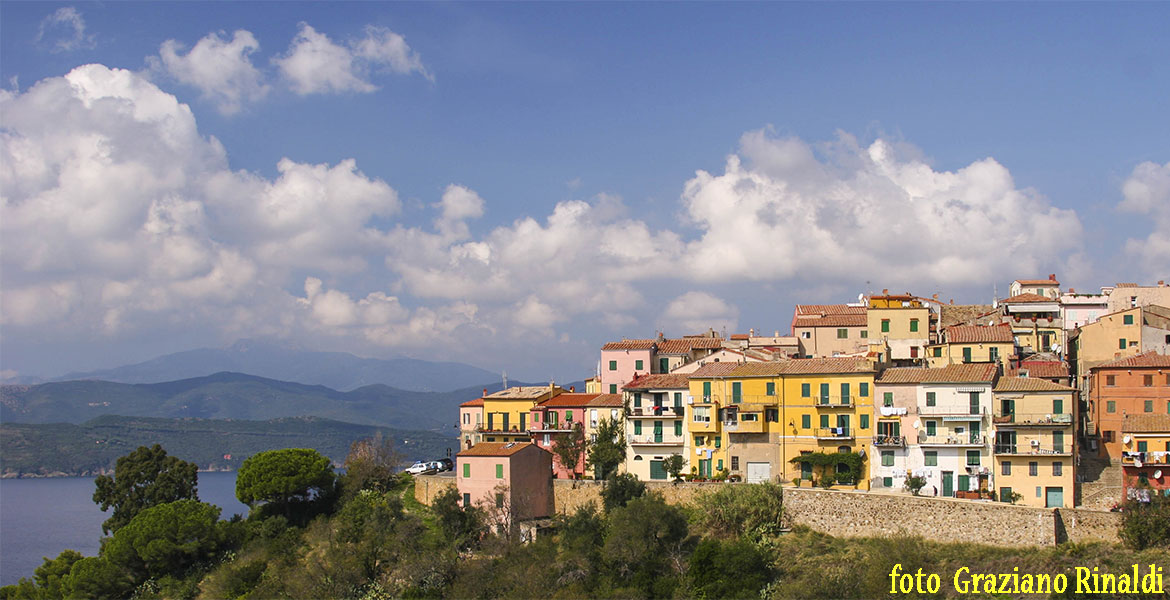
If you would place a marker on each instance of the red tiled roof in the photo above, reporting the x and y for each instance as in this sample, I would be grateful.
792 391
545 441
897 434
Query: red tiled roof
843 320
1029 384
1146 423
799 366
1042 370
497 448
630 345
978 334
568 400
829 309
1025 298
521 392
476 402
607 400
714 369
1145 360
966 373
685 345
658 381
739 336
1037 282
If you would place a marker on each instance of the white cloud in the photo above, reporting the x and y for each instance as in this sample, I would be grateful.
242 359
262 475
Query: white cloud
315 64
221 69
697 311
780 211
68 28
1147 192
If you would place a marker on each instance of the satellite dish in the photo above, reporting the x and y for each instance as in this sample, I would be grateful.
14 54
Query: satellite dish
1137 463
1126 439
1158 474
917 423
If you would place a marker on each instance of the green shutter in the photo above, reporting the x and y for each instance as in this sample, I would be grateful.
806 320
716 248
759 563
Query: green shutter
887 398
706 389
771 388
637 399
805 390
1128 319
637 365
499 471
824 393
844 393
913 324
967 354
806 421
864 390
1057 406
931 428
865 421
467 469
637 428
930 399
719 442
736 392
937 351
613 365
824 421
1121 344
678 428
885 325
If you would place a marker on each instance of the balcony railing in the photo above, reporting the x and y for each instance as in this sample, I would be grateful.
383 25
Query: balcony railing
551 427
512 429
669 412
834 401
745 426
1025 449
650 440
1145 458
951 410
1002 418
834 433
955 439
890 441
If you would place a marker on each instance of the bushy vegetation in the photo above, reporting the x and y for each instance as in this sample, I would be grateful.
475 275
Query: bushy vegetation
1146 524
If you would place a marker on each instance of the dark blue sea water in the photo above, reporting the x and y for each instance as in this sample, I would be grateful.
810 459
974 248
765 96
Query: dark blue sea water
42 517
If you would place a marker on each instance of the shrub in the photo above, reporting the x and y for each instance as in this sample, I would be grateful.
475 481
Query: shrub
915 484
620 489
1146 524
752 509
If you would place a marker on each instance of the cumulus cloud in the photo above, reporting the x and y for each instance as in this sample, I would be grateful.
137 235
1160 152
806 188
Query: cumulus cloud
221 69
315 64
66 29
1147 192
783 209
696 311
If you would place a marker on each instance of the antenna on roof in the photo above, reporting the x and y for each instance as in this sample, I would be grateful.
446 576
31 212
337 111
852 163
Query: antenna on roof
505 374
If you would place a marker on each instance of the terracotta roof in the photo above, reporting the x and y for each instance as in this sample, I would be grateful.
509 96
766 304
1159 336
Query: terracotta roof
685 345
714 369
497 448
1146 423
1043 370
607 400
533 391
476 402
1037 282
958 314
1025 298
658 381
829 309
630 345
1145 360
830 321
799 366
568 400
965 373
978 334
1126 285
1029 384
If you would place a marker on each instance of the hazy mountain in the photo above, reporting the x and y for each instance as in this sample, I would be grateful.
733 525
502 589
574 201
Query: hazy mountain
336 370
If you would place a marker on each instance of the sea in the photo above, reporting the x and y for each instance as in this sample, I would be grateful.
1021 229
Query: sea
41 517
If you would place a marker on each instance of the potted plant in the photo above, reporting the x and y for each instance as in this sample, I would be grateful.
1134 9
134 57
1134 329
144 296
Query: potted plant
796 481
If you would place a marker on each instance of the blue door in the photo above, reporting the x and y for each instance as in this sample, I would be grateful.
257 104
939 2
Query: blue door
1054 497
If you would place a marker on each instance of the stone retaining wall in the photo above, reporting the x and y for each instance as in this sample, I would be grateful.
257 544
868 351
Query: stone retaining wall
567 497
1084 525
426 487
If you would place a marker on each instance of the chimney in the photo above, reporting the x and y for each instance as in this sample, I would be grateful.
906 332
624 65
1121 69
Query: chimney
1052 277
934 297
572 388
952 301
885 291
485 391
1072 290
752 332
1161 283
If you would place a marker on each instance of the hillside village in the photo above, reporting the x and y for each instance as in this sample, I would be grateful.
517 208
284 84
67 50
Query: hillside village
1048 398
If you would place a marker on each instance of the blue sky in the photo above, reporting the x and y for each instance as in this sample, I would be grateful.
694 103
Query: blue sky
530 180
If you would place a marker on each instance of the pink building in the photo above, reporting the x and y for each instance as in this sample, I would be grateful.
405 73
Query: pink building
515 476
557 416
470 422
624 360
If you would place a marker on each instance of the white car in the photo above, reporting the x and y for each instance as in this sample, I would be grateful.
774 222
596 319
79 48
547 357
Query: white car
419 468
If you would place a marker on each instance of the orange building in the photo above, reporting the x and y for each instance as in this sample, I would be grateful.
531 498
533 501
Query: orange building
1134 385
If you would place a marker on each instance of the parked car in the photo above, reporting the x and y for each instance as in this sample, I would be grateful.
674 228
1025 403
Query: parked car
419 468
447 464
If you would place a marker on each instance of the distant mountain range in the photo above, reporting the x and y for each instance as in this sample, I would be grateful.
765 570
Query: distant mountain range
233 396
336 370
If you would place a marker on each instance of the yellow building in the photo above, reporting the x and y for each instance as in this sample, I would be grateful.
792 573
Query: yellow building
962 344
506 412
1036 321
755 418
1035 442
1117 335
902 322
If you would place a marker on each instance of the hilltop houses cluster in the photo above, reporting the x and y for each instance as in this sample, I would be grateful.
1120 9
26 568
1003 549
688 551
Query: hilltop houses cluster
1047 398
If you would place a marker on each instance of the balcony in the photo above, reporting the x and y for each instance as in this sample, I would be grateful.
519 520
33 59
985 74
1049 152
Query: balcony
703 425
551 427
964 413
890 441
834 433
657 412
745 426
960 440
1145 458
655 440
1037 449
834 401
1033 419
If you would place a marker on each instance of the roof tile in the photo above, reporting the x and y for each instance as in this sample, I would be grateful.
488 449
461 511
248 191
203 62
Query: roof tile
497 448
1146 423
630 345
568 400
1029 384
658 381
978 334
1025 298
1145 360
964 373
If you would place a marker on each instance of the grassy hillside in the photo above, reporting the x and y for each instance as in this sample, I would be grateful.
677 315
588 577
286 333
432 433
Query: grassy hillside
89 448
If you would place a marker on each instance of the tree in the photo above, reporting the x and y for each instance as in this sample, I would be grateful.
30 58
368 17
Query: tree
1146 524
461 524
609 451
281 477
165 539
48 579
620 489
646 539
144 478
370 465
569 448
674 465
96 577
915 484
735 569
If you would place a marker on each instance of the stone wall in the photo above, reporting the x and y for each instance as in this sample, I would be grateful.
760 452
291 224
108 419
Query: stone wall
567 497
1083 525
426 487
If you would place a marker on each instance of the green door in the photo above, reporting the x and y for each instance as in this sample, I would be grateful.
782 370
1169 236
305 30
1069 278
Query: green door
736 391
707 390
1058 441
657 471
705 467
664 365
657 434
948 482
1053 497
964 483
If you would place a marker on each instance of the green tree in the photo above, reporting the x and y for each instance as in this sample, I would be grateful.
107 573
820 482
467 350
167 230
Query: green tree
620 489
370 465
674 465
461 524
569 448
609 451
735 569
165 539
645 545
281 477
916 483
96 577
47 581
1146 524
753 509
144 478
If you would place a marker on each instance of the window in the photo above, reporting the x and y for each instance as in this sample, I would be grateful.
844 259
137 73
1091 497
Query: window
842 333
887 398
719 443
1033 468
499 471
1057 469
1121 344
1005 468
637 399
806 334
466 500
467 469
865 334
770 388
1057 406
824 421
734 463
568 416
885 325
1038 491
678 428
1110 380
613 365
499 499
805 390
967 354
772 415
887 482
1127 319
913 325
930 399
806 421
736 392
678 400
664 365
1148 406
1005 494
1107 436
613 388
637 365
824 393
637 428
1111 406
931 427
1143 446
844 393
930 458
864 390
972 458
993 354
706 389
865 421
887 458
466 418
1148 380
937 351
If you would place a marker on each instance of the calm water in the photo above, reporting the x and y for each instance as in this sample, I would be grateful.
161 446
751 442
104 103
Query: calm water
42 517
